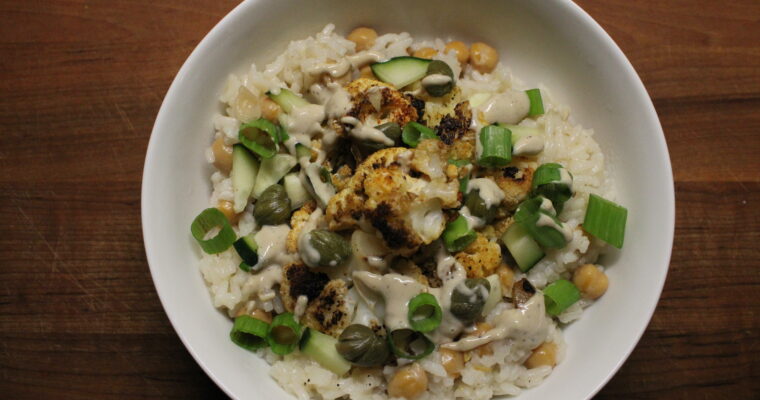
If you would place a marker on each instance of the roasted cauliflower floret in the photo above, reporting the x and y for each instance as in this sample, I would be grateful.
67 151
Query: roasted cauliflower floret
330 312
514 182
402 202
297 221
481 258
300 280
374 103
456 125
497 228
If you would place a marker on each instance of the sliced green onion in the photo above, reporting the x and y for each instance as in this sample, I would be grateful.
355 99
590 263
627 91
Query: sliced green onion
459 163
458 235
261 137
424 312
496 146
605 220
407 343
302 151
207 220
249 333
548 182
415 132
528 214
559 296
245 267
284 334
536 102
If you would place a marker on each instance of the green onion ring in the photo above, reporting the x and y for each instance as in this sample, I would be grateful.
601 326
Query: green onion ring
284 334
458 235
249 333
408 343
414 133
251 136
605 220
424 313
559 296
536 102
207 220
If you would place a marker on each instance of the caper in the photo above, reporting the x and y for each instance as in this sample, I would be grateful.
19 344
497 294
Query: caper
361 346
467 302
331 249
478 207
272 207
391 130
438 88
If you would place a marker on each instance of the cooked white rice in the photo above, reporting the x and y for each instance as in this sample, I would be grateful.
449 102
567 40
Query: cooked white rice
501 373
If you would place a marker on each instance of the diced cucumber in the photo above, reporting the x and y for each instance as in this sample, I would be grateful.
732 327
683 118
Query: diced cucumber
244 171
520 132
494 295
296 191
321 348
287 100
523 248
247 248
401 71
272 170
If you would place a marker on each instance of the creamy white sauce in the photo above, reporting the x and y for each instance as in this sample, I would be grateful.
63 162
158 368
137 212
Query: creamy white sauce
435 80
300 307
545 220
323 191
527 326
262 284
369 251
361 59
336 100
305 119
528 146
509 107
547 206
390 293
271 241
452 274
488 190
473 222
333 69
309 255
362 132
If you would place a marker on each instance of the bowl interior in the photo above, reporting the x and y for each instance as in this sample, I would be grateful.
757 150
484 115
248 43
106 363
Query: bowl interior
550 42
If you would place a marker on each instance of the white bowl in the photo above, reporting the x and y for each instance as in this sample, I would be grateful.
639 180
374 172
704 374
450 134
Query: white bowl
550 42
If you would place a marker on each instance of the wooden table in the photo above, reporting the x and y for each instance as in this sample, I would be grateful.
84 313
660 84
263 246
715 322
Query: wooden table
81 82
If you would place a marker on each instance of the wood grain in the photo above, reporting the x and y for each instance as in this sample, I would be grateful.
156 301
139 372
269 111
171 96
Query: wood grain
82 80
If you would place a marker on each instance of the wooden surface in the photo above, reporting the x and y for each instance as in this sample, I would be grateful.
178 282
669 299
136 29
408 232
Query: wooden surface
81 82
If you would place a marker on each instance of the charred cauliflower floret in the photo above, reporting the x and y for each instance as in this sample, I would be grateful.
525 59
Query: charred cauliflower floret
480 258
330 312
456 125
514 182
497 228
297 221
374 103
402 199
300 280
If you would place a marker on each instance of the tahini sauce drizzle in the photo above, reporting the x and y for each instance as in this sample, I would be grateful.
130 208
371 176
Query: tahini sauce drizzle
488 190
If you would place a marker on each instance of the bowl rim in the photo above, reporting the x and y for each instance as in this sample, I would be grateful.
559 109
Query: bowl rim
660 145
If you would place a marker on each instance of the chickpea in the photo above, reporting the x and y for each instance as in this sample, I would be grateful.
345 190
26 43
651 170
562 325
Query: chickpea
591 281
483 57
425 52
409 382
363 37
270 110
222 155
460 49
506 277
366 72
452 361
480 329
545 354
226 207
